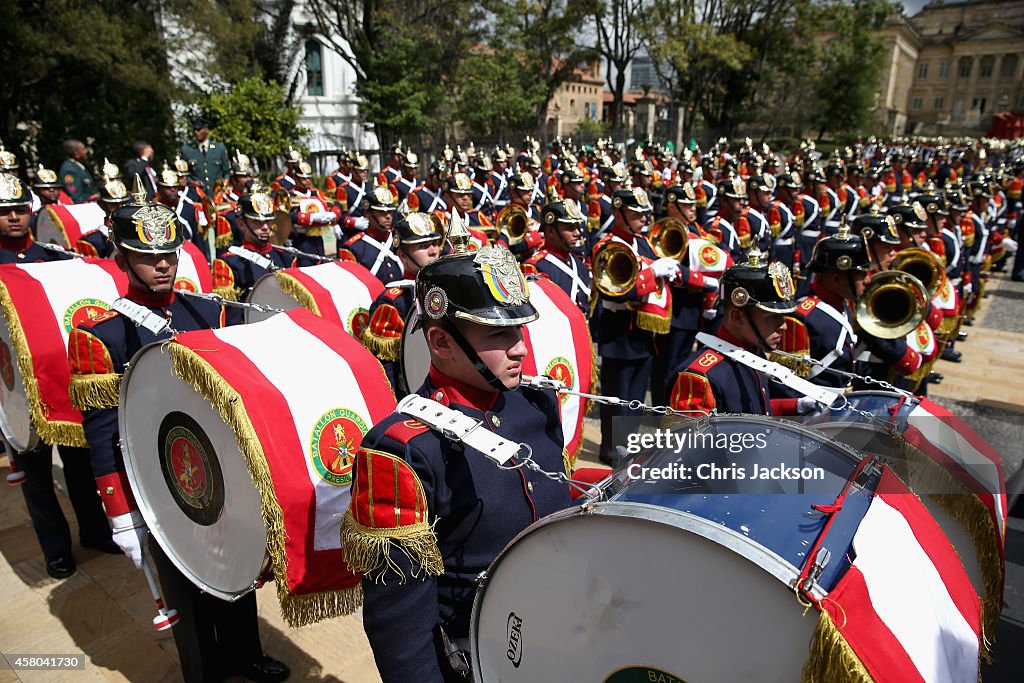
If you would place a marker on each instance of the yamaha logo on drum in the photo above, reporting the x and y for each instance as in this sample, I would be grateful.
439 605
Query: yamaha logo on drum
515 639
333 444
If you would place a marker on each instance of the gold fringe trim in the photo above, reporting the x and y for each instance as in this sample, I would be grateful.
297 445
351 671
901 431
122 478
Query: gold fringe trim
653 323
297 291
385 348
57 432
95 391
314 231
200 375
568 461
799 367
300 610
230 293
368 551
60 226
971 512
831 659
224 241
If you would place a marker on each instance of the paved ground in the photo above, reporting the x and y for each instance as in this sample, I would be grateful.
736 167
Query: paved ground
104 611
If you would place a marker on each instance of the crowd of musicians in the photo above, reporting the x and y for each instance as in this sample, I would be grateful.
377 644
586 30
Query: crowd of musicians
766 253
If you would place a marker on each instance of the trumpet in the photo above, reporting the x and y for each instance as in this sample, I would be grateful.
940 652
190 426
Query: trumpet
615 269
893 304
514 222
669 238
924 266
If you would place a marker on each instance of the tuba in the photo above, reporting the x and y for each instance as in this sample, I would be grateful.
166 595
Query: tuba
615 269
893 304
924 266
668 238
515 222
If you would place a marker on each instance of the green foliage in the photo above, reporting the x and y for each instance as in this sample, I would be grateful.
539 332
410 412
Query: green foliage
253 116
497 99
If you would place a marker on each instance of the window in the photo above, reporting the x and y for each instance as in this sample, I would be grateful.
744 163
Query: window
943 70
922 71
987 66
979 104
314 68
1009 66
917 103
965 67
937 104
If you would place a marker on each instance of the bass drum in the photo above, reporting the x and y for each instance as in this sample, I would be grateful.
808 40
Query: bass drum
414 362
676 578
64 224
15 412
267 292
175 443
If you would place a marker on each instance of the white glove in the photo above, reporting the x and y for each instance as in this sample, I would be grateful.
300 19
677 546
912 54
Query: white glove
710 284
968 288
710 313
322 217
129 533
1009 244
361 223
666 267
977 258
805 404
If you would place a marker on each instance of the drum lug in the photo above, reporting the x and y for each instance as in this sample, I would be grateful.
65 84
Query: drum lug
481 578
821 560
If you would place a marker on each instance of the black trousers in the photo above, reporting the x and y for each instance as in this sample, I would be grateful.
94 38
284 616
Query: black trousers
215 638
44 510
672 348
627 379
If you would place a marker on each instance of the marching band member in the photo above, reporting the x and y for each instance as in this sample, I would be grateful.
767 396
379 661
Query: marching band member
95 243
729 227
171 194
601 214
285 181
356 188
451 509
557 259
48 521
483 187
499 179
236 270
521 191
312 216
241 178
419 243
342 174
427 196
392 171
215 638
371 248
46 186
406 182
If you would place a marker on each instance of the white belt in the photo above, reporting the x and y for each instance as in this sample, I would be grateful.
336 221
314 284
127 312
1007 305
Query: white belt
783 241
456 426
811 233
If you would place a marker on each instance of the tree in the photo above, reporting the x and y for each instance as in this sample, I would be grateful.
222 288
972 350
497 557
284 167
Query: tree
617 27
496 97
254 117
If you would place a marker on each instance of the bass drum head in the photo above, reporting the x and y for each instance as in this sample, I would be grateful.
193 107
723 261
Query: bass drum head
189 479
15 413
414 361
267 291
637 593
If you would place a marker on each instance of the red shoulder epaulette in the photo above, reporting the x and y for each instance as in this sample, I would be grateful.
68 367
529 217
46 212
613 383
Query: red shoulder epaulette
795 338
692 391
353 239
706 361
539 256
405 431
807 305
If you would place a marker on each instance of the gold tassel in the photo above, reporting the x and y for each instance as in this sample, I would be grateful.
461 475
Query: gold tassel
367 550
229 293
800 368
95 391
201 376
224 241
297 291
569 461
57 432
653 323
314 231
385 348
831 659
302 610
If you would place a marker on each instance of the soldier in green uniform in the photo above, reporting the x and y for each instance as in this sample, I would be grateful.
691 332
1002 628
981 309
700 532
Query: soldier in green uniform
207 160
75 177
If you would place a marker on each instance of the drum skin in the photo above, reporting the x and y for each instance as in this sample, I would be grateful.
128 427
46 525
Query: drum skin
61 223
15 413
267 292
224 553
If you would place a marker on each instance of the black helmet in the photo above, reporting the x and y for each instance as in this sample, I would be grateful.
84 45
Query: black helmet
768 287
790 180
417 228
114 192
563 211
955 199
257 205
680 194
458 183
873 226
571 174
763 182
634 200
144 227
45 178
842 251
383 198
979 187
933 201
733 188
909 216
13 192
241 165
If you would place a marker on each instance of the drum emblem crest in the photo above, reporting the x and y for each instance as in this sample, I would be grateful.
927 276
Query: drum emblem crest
191 469
923 337
645 674
186 284
560 368
83 310
358 319
709 255
333 445
6 365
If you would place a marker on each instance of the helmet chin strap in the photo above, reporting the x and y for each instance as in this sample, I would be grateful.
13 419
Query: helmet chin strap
471 353
765 346
128 263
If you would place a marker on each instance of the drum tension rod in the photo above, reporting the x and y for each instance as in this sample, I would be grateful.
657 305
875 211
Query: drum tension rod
821 560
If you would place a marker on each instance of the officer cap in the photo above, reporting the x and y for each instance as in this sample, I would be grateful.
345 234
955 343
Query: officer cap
763 182
484 287
241 165
302 170
732 187
114 192
874 226
45 177
909 216
383 198
523 181
634 200
8 162
167 177
843 251
257 205
458 183
417 228
13 192
766 286
144 227
562 211
979 187
680 194
200 122
790 180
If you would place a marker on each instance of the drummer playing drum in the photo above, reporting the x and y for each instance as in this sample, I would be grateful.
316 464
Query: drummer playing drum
428 514
215 638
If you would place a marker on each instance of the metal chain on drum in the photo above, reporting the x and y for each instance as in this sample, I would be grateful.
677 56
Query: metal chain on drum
545 382
591 491
221 301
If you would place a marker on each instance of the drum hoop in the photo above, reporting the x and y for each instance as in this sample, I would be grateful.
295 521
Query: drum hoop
740 544
407 330
147 513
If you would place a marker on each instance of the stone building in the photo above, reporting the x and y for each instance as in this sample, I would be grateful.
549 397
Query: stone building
575 101
951 67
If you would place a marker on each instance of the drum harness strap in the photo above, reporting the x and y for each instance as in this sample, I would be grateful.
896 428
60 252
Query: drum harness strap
252 257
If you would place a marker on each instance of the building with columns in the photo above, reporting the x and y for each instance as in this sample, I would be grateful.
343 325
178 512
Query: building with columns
951 67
